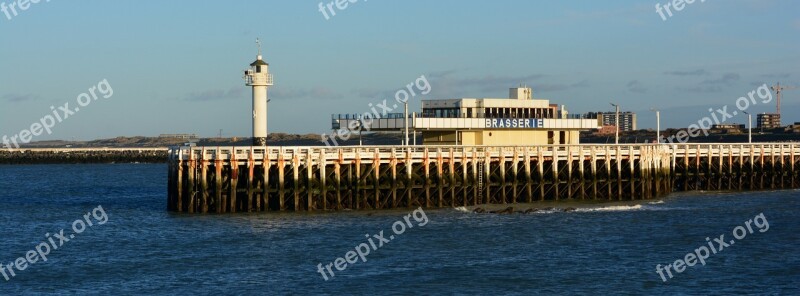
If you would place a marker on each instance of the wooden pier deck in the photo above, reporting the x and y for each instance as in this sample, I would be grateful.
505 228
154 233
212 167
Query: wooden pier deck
248 179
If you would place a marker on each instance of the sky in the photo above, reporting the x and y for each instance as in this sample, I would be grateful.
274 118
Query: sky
176 66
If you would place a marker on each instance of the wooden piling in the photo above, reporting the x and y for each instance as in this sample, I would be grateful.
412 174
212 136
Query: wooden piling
251 169
281 180
309 181
234 164
192 189
323 177
528 176
218 202
266 165
179 191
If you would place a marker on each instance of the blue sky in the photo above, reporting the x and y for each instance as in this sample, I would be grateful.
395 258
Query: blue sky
175 66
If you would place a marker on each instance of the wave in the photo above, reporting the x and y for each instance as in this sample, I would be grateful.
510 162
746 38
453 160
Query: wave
549 211
616 208
462 209
611 209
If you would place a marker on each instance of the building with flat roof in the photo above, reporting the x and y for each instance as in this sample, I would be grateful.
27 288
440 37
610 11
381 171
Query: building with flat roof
517 120
768 120
627 120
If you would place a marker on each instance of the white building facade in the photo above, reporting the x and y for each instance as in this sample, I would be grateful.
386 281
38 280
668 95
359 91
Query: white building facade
517 120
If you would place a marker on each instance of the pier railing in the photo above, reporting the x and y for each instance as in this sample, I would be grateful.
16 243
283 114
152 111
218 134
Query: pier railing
259 153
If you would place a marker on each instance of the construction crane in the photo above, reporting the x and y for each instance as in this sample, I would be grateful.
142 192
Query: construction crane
778 89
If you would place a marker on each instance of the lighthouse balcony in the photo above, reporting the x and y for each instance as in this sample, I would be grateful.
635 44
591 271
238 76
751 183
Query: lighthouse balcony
258 79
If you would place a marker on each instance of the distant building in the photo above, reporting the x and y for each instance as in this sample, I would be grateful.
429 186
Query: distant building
179 136
627 120
794 128
768 120
727 128
606 130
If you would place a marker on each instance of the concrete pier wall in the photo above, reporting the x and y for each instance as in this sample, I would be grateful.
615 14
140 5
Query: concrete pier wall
83 155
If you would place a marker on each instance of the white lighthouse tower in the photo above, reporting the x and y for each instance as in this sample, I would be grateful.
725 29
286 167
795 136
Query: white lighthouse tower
259 79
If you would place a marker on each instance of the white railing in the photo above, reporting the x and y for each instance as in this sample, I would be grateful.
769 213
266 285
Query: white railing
243 153
256 79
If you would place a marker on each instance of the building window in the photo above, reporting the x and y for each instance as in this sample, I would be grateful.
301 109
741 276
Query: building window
441 113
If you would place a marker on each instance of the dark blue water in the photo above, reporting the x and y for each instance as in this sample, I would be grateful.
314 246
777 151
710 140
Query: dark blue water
142 249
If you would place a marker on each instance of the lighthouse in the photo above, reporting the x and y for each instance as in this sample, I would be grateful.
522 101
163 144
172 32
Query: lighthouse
259 79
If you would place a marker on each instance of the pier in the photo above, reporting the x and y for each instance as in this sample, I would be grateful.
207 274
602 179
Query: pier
83 155
256 179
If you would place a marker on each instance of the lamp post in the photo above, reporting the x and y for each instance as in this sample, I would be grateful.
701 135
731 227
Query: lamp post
405 121
616 124
360 130
414 119
749 127
658 124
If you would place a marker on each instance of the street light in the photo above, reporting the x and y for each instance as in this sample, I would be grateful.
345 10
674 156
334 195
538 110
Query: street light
658 124
749 127
405 121
360 130
414 131
616 124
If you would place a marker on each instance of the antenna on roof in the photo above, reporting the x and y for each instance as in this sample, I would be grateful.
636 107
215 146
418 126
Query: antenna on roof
258 43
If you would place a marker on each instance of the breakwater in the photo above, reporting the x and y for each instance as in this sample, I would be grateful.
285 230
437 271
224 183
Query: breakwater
83 155
248 179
